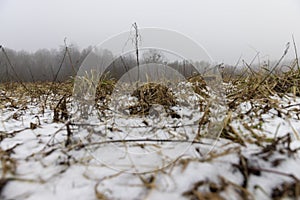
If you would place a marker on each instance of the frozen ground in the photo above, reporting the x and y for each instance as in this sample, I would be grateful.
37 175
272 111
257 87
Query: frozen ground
256 156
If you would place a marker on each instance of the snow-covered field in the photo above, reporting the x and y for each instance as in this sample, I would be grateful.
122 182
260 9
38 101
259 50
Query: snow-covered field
255 157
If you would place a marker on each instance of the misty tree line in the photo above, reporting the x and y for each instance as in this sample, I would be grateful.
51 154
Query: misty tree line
42 65
61 64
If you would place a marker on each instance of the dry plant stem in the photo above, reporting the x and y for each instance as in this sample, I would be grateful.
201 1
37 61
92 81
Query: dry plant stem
234 69
249 67
273 69
131 141
296 53
238 187
53 136
269 171
212 155
55 77
202 120
69 56
296 134
100 195
125 126
136 43
60 66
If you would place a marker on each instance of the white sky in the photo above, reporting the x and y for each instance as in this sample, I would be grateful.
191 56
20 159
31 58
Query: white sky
226 28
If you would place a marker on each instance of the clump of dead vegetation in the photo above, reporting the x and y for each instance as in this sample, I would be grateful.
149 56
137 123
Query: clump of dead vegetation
286 190
199 85
151 94
263 83
104 89
207 189
8 167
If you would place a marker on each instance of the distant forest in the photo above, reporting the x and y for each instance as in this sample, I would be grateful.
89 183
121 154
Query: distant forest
63 63
42 65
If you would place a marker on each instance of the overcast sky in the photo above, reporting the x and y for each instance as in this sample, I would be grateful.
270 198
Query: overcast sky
226 28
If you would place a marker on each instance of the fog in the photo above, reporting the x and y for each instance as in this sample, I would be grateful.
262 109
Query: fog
227 29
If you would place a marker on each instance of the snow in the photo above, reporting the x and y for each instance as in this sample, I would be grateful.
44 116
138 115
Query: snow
47 169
